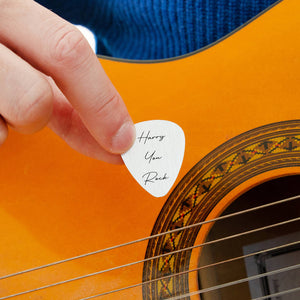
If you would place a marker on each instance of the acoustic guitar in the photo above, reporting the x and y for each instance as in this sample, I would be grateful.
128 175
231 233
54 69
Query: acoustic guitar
76 228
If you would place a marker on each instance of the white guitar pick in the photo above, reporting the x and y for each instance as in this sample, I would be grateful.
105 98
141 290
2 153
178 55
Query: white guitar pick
156 156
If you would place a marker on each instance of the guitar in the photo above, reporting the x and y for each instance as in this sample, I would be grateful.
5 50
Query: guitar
76 228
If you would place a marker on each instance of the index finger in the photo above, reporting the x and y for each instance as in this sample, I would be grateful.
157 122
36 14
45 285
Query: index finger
58 49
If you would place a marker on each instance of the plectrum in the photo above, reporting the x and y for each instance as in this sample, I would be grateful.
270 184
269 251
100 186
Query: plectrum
156 156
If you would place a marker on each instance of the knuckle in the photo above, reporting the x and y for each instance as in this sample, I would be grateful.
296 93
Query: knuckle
69 47
109 104
34 106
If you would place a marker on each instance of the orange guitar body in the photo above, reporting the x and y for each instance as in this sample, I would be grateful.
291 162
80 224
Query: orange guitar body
229 99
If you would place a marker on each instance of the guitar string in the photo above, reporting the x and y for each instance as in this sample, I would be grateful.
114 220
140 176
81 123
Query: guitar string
192 270
235 282
279 293
150 237
152 258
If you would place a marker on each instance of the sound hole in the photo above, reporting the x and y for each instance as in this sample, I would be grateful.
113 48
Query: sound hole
277 237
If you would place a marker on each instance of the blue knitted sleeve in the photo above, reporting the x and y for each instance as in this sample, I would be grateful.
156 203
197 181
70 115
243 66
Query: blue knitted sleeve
155 29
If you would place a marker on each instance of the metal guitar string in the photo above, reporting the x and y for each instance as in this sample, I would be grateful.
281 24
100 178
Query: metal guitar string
191 270
235 282
151 237
151 258
278 294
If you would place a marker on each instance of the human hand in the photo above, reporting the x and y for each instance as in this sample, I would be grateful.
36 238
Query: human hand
49 75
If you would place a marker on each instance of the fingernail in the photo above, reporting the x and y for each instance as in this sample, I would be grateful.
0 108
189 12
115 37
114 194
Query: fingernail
124 138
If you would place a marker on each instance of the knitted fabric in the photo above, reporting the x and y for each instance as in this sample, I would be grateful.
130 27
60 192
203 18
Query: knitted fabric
156 29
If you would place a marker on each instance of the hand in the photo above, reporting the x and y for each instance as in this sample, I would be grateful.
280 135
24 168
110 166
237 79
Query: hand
49 75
